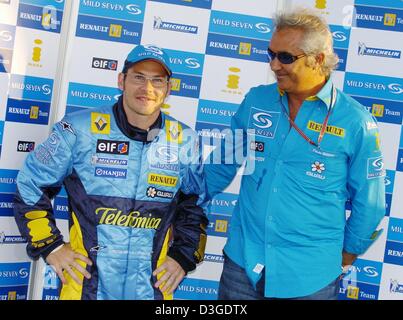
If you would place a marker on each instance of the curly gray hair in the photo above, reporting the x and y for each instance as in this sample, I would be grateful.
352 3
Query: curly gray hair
317 36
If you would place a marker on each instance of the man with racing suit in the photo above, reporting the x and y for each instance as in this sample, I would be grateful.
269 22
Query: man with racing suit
135 187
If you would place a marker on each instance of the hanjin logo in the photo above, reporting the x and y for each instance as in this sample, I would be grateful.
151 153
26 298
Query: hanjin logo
25 146
105 64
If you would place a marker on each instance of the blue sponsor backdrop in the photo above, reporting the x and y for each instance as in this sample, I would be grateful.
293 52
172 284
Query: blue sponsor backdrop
231 33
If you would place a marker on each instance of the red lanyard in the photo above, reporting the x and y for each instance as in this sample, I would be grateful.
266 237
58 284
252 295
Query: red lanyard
324 124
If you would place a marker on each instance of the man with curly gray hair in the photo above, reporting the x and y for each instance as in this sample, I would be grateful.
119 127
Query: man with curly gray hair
316 149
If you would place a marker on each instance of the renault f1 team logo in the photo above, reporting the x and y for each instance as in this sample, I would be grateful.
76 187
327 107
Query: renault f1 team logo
264 122
112 147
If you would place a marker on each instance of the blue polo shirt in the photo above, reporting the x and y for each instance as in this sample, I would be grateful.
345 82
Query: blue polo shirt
290 219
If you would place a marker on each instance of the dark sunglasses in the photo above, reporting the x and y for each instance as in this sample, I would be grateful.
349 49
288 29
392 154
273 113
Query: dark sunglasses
283 57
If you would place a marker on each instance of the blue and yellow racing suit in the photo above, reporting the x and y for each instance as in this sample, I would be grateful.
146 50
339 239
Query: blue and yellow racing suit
134 198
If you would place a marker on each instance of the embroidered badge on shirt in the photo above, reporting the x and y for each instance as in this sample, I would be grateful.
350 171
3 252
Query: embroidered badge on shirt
317 127
317 168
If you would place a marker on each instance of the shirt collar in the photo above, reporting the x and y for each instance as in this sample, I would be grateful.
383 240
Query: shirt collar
325 94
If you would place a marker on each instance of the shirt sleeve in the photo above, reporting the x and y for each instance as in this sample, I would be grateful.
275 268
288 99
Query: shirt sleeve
190 223
39 180
222 164
367 190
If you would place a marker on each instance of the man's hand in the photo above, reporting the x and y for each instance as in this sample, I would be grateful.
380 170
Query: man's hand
172 275
65 259
348 258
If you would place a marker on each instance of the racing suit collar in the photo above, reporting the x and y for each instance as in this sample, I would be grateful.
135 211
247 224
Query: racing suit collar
131 131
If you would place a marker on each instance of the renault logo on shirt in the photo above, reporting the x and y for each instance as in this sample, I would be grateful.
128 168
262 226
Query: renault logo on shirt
112 147
158 179
100 123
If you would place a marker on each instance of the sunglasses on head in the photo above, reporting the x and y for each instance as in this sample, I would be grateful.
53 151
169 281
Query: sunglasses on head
283 57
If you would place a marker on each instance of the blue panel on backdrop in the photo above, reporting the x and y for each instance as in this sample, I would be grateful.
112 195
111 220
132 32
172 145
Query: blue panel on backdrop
28 111
341 36
123 9
41 18
185 85
6 204
85 95
197 289
14 293
358 291
13 274
236 47
394 253
378 18
384 110
32 88
58 4
205 4
109 29
368 85
186 62
241 25
218 224
216 112
224 203
8 180
399 166
395 232
342 54
61 208
383 3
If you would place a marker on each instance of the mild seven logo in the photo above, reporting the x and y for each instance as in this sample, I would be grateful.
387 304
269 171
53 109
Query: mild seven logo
372 86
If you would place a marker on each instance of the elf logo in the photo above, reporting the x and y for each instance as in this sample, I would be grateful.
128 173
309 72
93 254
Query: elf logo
112 147
105 64
25 146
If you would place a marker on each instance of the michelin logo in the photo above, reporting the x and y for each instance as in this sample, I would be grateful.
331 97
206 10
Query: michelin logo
363 50
159 24
4 239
